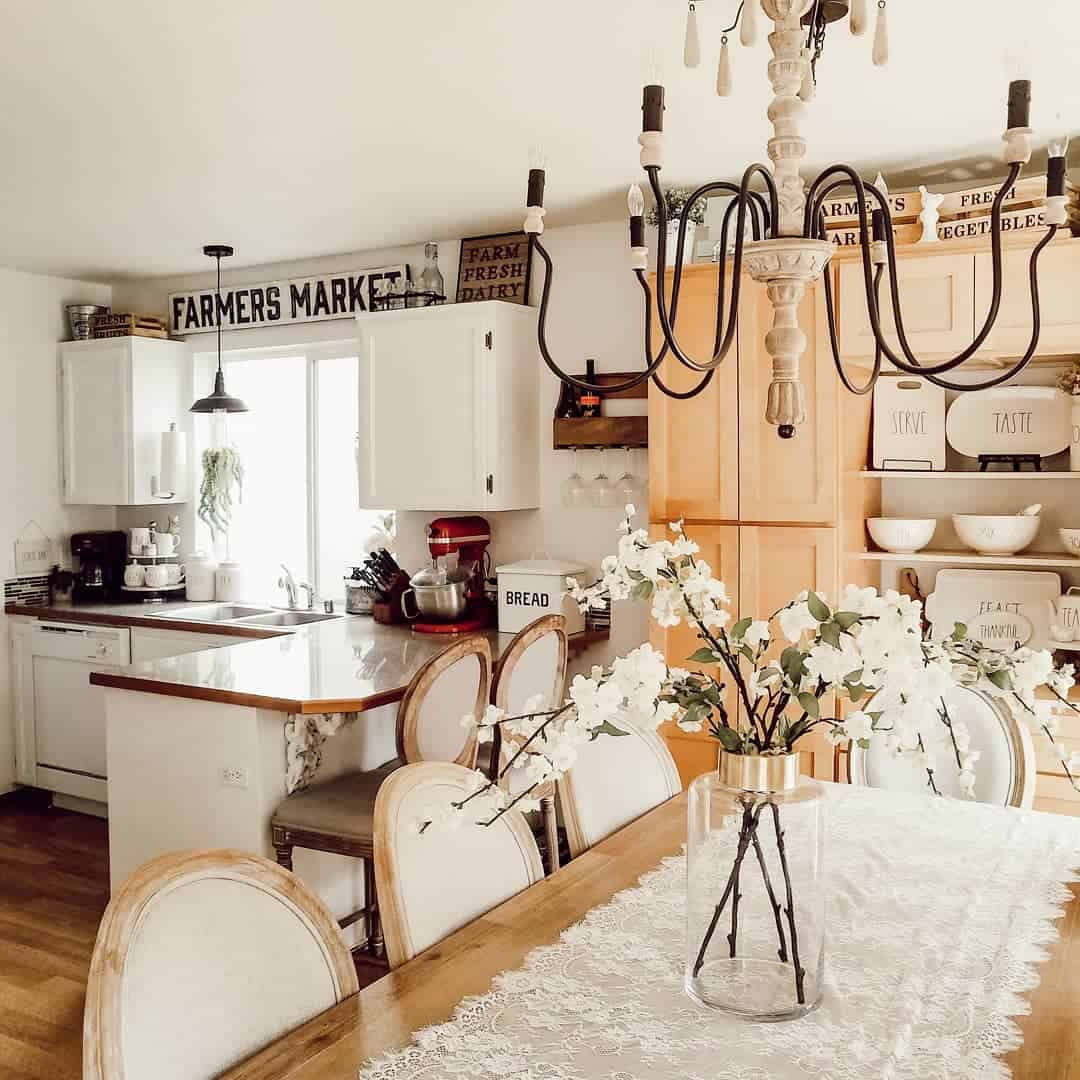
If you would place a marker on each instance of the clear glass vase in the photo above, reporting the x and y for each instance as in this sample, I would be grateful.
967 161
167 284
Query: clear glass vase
755 916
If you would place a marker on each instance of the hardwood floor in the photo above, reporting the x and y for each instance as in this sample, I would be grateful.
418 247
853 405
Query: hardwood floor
54 886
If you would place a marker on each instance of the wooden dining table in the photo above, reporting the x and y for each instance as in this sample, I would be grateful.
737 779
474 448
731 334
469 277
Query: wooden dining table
426 990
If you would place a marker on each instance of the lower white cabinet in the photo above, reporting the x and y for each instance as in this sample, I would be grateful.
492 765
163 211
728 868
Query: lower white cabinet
152 644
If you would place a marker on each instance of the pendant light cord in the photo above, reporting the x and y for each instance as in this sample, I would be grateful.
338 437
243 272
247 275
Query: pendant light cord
217 312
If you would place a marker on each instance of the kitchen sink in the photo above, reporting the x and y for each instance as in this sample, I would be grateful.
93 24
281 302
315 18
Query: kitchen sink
214 613
287 618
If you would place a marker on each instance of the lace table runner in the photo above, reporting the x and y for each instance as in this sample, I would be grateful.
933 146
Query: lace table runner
939 914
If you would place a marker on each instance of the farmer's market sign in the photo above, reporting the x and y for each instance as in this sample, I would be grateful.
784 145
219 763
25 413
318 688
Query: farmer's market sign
273 303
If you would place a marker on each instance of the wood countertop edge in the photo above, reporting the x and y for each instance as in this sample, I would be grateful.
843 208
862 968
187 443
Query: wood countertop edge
146 684
150 622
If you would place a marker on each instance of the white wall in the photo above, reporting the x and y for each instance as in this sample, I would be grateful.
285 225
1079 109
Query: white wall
596 311
32 320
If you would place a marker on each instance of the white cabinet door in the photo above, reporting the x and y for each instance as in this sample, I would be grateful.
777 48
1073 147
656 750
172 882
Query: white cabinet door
152 644
448 409
96 396
118 396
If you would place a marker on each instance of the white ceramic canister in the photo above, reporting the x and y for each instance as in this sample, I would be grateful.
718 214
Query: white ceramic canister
230 582
201 570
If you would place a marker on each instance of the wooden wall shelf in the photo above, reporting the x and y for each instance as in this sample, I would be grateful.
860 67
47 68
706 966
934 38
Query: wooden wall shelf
589 431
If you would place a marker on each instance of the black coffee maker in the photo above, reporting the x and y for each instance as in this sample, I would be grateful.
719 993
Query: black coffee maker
99 567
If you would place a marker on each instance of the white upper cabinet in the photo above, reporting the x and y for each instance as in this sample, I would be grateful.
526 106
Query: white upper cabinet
449 417
117 396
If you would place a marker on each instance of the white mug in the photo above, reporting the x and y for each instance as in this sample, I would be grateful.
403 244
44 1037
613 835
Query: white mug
175 572
166 544
134 576
139 539
157 576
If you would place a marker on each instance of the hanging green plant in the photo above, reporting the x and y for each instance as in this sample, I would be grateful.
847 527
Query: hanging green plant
222 473
675 200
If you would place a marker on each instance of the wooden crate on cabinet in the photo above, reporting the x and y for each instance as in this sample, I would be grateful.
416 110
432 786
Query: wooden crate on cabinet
694 443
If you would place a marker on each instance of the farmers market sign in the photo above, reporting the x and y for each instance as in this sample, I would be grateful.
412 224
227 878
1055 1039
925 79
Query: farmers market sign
273 303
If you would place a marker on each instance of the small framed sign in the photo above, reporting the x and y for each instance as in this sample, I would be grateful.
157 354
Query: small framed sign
494 268
33 551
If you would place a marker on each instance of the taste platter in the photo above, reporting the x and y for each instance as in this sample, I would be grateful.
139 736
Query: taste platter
1010 420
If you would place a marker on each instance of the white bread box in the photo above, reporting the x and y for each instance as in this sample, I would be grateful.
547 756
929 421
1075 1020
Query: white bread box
533 588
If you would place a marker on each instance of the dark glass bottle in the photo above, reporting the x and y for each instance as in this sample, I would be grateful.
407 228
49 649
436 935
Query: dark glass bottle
588 400
567 408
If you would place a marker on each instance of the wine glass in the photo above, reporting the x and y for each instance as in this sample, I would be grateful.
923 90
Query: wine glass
575 489
603 490
628 488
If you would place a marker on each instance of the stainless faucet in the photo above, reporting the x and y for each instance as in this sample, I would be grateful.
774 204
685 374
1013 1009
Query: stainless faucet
292 586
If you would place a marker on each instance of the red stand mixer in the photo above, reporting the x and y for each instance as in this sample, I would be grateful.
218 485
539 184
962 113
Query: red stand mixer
464 541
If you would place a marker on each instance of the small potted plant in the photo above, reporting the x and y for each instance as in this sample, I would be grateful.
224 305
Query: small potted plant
675 203
1070 383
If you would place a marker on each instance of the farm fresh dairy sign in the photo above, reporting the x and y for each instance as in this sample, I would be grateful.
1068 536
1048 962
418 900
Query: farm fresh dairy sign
274 303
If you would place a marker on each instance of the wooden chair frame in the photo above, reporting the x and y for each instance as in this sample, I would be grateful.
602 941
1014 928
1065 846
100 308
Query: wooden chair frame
103 1018
399 941
285 839
408 717
500 692
575 832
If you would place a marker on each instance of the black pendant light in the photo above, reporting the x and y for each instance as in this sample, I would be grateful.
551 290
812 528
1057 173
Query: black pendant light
218 401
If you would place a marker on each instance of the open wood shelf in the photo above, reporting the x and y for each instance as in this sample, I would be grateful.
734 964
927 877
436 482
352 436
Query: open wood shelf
1043 559
584 432
579 642
918 474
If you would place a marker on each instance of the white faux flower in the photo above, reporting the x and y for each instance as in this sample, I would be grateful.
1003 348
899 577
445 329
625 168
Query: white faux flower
757 633
859 725
795 620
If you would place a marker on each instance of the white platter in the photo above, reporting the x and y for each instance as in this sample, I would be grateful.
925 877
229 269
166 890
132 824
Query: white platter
964 595
1010 420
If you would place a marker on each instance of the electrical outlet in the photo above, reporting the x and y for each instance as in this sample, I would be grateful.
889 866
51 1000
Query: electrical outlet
235 776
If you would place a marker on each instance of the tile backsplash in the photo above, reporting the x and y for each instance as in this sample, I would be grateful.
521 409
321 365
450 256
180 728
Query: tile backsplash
27 590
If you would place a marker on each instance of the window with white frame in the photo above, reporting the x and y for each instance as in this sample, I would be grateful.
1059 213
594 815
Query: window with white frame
298 448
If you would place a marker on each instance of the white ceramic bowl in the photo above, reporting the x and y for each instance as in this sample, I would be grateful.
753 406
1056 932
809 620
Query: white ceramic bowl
991 534
902 536
1071 539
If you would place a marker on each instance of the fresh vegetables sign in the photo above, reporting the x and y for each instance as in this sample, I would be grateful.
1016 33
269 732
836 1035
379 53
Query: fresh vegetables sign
273 303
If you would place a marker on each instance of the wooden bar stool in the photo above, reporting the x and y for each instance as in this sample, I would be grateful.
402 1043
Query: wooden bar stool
338 816
534 663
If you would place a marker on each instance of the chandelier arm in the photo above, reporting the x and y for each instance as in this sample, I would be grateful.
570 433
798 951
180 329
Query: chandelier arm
721 352
911 364
679 395
541 337
1036 327
995 299
773 222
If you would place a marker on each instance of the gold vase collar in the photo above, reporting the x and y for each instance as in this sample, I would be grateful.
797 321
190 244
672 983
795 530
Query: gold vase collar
759 772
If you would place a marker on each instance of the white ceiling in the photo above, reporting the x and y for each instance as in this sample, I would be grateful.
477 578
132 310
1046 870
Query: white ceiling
133 132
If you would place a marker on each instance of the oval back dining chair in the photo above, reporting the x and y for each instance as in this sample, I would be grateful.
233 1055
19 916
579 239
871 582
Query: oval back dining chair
435 882
201 959
615 779
1004 775
338 816
533 665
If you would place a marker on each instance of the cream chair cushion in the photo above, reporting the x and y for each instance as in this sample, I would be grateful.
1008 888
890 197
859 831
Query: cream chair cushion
431 884
439 734
615 779
203 958
1004 773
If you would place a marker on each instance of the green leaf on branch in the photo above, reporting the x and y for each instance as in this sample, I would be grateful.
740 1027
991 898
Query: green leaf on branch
791 661
642 590
846 619
607 728
863 744
740 628
829 632
1000 679
745 650
857 691
959 632
809 704
796 731
818 608
696 714
703 656
730 739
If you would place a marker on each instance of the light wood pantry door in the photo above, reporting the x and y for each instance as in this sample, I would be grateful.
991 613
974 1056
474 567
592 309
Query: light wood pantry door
776 564
787 480
937 303
1059 283
694 443
695 753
